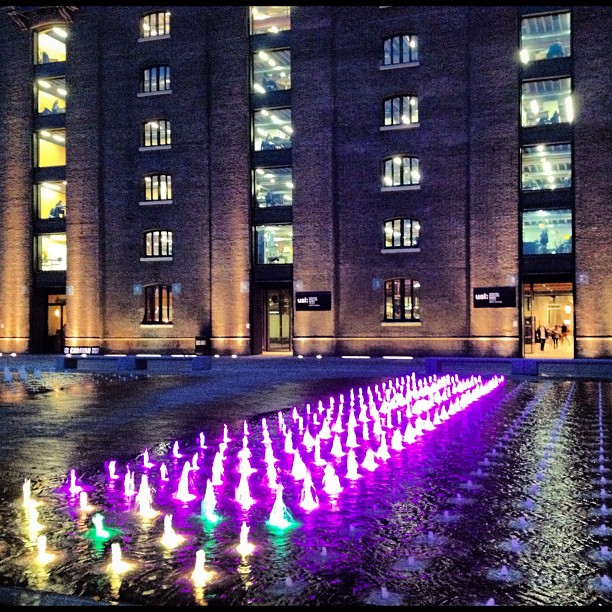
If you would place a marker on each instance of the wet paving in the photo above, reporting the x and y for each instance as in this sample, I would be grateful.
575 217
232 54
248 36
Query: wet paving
506 502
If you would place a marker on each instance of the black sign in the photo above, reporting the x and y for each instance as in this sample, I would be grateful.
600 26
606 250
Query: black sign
81 350
495 297
313 300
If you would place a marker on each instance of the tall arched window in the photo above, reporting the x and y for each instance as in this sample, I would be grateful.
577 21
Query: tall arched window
401 234
399 50
156 78
401 110
157 243
157 188
401 171
157 304
156 133
402 300
155 24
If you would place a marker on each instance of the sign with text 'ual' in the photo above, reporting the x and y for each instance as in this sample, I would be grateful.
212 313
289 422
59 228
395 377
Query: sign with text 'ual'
313 300
494 297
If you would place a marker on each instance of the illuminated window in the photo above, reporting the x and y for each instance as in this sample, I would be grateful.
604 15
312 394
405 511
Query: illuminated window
272 129
401 110
50 96
50 148
157 187
546 166
545 37
274 244
547 232
401 233
271 71
546 102
273 187
270 19
156 78
50 198
156 133
50 44
51 252
157 304
157 243
400 50
402 301
154 25
401 171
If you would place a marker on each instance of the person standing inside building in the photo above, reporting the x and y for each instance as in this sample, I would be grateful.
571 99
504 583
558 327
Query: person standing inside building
544 239
555 334
541 335
564 332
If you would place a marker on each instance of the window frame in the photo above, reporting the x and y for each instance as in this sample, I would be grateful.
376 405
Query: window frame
396 115
148 131
413 58
158 297
392 295
159 182
145 32
413 234
161 80
154 247
410 165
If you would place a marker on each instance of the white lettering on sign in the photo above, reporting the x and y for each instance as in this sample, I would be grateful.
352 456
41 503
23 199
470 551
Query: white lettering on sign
482 296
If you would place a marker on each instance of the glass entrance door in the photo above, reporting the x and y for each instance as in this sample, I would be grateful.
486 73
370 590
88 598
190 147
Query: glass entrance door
56 323
277 320
550 305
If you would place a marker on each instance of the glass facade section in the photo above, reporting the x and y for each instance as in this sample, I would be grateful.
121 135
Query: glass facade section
51 252
272 129
273 187
546 102
547 232
545 37
270 19
402 300
271 71
273 244
546 166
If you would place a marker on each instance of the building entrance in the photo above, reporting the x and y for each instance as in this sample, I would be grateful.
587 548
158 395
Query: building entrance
550 305
277 320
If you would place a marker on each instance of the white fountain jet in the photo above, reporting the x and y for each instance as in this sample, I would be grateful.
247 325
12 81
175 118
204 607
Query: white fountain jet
245 547
163 472
117 564
336 449
146 462
209 503
369 461
307 440
28 502
317 459
43 555
74 488
200 575
298 467
84 505
202 440
176 453
112 470
170 538
98 522
396 440
352 467
182 491
144 499
308 496
243 494
383 450
331 482
217 469
129 488
280 516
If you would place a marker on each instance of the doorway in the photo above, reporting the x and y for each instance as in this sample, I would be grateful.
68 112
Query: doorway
552 305
277 320
56 323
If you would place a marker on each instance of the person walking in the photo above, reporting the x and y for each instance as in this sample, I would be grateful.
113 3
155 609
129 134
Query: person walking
555 334
541 335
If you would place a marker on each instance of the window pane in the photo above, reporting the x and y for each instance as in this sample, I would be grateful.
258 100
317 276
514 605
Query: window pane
544 102
51 252
274 244
51 199
546 167
272 129
51 44
50 96
400 50
547 232
545 37
155 24
271 71
51 149
270 19
273 187
402 300
158 306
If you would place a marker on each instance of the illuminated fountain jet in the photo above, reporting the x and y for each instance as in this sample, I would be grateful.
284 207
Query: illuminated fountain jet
144 499
217 469
280 516
383 450
209 503
289 449
176 453
146 463
351 438
272 476
308 496
112 473
298 468
200 575
182 491
244 451
325 431
317 459
369 461
396 440
243 494
331 482
245 547
269 457
170 538
352 466
74 488
43 557
28 502
202 440
84 505
336 449
129 488
163 472
117 564
307 440
365 432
